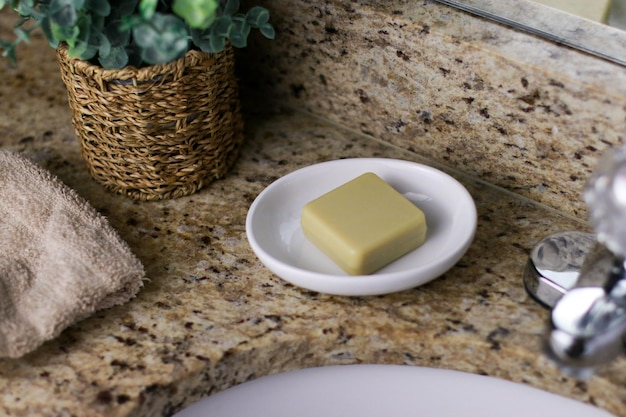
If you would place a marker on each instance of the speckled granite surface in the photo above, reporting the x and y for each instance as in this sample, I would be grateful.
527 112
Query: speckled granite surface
212 316
516 110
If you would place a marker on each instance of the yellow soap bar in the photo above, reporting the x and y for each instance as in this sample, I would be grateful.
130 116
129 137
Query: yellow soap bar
363 224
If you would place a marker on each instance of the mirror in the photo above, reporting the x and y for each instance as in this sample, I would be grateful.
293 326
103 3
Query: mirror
609 12
597 27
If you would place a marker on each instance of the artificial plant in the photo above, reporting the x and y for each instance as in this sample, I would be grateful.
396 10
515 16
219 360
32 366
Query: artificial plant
117 33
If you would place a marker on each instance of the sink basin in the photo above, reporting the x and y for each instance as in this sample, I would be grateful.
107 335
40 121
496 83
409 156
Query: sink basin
385 390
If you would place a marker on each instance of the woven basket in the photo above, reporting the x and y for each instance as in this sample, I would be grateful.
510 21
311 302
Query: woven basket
157 132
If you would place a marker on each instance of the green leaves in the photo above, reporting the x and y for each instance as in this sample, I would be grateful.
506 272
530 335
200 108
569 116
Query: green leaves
11 3
65 12
98 7
147 8
117 33
198 14
258 18
233 27
117 57
80 38
162 39
231 7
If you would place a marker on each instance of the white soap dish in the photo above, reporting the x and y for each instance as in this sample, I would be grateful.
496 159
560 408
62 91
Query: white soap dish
274 232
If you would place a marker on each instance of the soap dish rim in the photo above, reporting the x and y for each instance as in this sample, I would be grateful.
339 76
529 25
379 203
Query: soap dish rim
376 283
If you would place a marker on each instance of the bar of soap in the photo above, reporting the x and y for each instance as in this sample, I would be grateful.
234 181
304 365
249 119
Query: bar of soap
363 224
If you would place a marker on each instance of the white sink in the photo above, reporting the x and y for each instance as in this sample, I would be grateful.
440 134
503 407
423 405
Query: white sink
385 391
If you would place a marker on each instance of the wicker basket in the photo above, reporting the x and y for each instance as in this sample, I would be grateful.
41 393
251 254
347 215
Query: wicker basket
157 132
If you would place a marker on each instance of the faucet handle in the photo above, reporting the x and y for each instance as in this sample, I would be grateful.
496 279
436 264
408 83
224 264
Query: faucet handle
605 195
583 279
589 321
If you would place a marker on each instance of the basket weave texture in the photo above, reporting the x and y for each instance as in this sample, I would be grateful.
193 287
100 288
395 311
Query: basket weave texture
156 132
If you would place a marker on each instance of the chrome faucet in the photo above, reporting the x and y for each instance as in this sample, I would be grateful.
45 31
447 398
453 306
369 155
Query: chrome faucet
582 277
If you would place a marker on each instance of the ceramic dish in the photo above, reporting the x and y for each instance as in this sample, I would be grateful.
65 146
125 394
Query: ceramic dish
275 235
385 390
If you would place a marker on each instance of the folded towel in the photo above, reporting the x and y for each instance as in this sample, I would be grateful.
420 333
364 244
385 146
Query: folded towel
60 260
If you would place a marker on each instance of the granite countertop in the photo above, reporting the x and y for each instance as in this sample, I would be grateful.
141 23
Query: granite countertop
212 316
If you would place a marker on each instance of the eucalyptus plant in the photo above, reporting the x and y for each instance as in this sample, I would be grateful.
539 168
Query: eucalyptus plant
116 33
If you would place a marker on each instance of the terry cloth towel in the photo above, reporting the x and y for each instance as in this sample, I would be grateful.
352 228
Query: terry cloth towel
60 260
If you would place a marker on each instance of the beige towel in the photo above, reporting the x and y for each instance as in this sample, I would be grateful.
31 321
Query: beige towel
60 260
